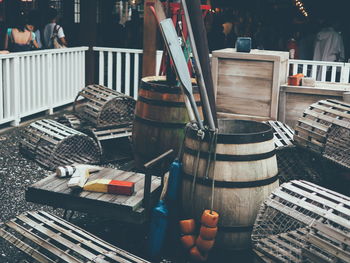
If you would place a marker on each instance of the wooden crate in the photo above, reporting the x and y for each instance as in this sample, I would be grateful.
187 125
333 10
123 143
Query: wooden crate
53 144
294 100
301 216
247 84
105 107
48 238
324 128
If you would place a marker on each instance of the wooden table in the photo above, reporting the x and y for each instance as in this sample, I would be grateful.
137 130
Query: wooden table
54 191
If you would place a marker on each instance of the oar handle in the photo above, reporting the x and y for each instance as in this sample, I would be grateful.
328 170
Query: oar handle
195 111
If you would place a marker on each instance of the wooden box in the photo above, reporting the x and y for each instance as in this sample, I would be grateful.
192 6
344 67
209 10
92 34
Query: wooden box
247 84
295 99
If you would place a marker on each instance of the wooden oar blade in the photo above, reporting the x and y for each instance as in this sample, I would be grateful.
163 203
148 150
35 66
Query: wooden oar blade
177 55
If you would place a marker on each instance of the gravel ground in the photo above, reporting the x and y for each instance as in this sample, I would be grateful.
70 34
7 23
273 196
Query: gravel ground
17 172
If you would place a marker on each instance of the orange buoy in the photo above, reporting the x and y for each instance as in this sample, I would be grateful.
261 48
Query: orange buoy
198 255
187 226
210 218
188 241
204 245
208 233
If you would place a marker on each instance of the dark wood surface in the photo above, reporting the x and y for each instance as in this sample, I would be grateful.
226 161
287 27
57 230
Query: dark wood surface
54 191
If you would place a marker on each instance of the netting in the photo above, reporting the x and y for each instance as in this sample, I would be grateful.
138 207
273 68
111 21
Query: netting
106 107
53 144
294 216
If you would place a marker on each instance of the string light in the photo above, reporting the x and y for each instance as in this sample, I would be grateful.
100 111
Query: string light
299 4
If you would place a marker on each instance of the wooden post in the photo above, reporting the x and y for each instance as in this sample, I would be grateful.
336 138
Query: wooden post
87 37
149 41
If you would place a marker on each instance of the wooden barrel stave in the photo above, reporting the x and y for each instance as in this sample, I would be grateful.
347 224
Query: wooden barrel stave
240 187
160 119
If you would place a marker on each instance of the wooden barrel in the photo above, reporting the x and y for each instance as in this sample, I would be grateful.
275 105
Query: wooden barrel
245 174
160 118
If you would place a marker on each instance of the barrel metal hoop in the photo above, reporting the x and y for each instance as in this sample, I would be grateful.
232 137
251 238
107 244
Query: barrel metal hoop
172 125
230 184
237 138
164 103
235 229
233 158
165 89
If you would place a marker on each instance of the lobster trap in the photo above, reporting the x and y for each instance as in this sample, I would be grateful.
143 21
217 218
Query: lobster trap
105 107
71 121
114 143
303 222
324 129
293 162
53 144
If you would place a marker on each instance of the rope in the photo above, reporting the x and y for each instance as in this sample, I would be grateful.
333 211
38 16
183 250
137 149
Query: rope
213 177
195 170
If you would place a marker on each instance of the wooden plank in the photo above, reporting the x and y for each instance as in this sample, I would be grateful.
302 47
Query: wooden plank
24 247
86 242
73 246
337 252
311 207
307 133
315 258
42 242
314 195
332 232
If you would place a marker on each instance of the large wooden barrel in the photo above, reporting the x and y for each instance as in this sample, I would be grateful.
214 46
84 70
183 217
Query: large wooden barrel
160 118
245 174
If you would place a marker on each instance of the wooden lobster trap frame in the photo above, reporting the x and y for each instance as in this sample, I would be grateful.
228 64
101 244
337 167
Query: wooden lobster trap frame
106 107
324 129
53 144
293 162
300 221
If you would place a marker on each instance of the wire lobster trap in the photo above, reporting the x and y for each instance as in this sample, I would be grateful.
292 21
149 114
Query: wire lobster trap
301 222
114 142
53 144
106 107
324 129
293 162
71 121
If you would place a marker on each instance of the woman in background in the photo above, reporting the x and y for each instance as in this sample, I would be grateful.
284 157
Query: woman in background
21 38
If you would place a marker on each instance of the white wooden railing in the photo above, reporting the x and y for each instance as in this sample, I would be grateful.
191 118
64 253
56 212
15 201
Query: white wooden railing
31 82
120 68
321 70
36 81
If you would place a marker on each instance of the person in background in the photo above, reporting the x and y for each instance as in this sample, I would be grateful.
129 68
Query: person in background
21 37
53 28
35 18
329 44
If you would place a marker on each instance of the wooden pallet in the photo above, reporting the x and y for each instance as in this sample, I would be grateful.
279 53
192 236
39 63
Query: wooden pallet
48 238
53 144
106 107
324 128
296 205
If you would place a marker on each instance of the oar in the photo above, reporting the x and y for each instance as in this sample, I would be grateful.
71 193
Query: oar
198 69
174 49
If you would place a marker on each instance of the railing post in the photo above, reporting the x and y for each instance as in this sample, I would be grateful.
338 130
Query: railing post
345 73
15 100
50 87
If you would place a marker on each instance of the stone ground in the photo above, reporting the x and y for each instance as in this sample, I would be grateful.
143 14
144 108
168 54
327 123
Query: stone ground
17 172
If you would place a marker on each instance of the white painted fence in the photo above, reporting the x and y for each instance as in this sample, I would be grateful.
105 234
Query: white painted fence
31 82
120 69
321 70
36 81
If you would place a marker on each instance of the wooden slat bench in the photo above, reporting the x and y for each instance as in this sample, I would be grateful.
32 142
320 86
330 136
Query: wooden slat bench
54 191
48 238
